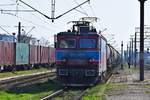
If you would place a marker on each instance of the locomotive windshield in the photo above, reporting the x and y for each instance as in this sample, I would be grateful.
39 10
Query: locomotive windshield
87 43
67 43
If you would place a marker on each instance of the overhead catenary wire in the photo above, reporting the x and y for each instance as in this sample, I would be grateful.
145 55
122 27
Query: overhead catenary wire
57 16
84 12
72 9
31 12
7 4
35 15
31 22
35 9
8 10
27 20
39 18
92 10
4 30
54 26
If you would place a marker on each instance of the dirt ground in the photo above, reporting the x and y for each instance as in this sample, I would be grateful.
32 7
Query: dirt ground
134 89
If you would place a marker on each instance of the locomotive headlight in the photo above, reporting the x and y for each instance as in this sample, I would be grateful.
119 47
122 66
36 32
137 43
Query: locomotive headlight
92 60
64 60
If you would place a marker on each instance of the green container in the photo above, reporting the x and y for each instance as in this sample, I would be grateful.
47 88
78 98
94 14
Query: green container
22 53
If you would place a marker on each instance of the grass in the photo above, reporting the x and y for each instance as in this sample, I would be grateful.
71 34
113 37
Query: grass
99 92
33 92
147 86
147 92
10 74
95 93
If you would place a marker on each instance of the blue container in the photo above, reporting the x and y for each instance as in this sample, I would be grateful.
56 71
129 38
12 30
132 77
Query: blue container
22 54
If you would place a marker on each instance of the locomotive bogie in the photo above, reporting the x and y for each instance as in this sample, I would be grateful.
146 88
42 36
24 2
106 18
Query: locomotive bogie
77 76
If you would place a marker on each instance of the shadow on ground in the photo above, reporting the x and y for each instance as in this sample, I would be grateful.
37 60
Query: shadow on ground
47 86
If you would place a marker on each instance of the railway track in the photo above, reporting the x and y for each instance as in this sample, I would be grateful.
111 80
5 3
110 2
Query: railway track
67 94
72 93
25 80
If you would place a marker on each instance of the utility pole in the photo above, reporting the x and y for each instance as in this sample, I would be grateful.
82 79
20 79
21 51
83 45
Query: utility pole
127 53
129 63
53 10
135 50
142 39
19 31
132 51
121 54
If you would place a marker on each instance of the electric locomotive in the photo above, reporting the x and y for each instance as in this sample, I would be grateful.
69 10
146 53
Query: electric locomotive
81 55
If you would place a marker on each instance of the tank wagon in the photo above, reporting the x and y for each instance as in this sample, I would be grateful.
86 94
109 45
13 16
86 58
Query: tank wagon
21 56
83 56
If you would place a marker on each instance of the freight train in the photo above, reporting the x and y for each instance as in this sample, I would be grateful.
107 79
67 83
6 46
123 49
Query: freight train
21 56
83 56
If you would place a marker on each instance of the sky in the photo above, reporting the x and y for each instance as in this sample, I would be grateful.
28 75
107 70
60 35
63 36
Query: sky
119 17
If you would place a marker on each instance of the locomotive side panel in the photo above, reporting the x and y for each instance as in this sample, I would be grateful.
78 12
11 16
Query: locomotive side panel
103 55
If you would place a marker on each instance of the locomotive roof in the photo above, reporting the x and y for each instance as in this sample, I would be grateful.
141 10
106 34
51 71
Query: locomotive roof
80 23
74 34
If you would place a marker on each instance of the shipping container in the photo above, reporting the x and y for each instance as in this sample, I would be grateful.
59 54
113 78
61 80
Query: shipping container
39 54
52 55
8 50
33 54
1 53
44 55
22 54
6 53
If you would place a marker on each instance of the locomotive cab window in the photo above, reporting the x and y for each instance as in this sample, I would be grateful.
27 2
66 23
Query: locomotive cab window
87 43
67 43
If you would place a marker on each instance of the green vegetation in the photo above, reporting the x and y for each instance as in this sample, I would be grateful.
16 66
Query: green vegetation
148 87
10 74
33 92
147 92
96 93
99 92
